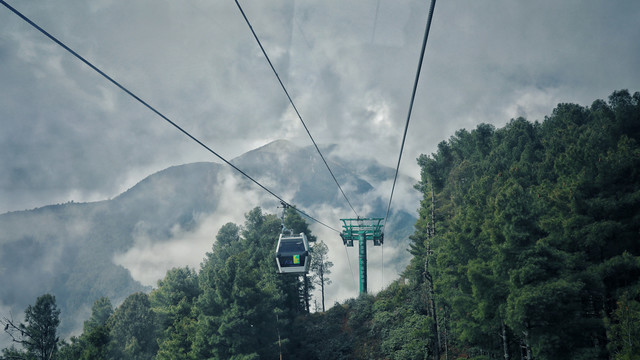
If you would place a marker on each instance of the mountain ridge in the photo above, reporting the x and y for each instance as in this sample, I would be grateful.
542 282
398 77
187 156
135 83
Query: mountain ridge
68 249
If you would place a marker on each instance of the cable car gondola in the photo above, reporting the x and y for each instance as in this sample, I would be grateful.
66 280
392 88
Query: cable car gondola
292 254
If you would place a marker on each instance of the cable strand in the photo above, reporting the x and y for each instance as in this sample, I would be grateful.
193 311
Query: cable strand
264 52
413 96
353 277
130 93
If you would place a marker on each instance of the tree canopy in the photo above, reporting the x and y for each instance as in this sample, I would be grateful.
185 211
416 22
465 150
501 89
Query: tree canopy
535 229
527 245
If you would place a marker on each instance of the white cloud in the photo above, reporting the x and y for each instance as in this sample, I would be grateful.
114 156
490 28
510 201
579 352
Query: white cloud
70 135
148 260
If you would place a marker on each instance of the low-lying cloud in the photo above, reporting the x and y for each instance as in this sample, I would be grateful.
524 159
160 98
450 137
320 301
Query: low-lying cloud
149 259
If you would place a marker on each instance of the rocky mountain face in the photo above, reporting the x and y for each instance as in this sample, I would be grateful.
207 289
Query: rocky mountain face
68 249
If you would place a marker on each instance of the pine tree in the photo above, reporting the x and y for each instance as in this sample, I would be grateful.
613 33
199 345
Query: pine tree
173 303
321 266
37 335
133 329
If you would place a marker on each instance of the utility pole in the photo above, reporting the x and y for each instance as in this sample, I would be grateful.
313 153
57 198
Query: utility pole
362 229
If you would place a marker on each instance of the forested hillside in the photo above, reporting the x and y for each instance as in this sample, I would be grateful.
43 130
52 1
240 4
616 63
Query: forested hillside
235 306
72 250
529 236
527 246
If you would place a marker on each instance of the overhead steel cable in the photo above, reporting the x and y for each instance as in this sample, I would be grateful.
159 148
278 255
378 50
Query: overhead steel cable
413 96
353 277
264 52
130 93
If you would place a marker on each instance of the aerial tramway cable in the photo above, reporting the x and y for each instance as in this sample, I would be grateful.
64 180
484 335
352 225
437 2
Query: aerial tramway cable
264 52
417 77
406 127
130 93
413 96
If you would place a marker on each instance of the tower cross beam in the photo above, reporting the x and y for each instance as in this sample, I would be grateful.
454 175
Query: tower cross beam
361 230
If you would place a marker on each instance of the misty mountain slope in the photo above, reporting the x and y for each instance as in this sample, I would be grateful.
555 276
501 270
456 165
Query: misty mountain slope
172 196
64 250
69 249
368 169
284 166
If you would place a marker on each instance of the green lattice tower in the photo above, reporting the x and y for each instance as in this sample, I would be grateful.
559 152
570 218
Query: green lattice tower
362 229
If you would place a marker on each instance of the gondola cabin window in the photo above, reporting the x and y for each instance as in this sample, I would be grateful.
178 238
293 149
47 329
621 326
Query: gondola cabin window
292 254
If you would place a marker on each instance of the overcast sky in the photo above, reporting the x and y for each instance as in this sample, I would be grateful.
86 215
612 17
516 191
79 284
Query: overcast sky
68 134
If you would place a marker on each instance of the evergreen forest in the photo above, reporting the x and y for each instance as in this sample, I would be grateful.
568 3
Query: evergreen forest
527 246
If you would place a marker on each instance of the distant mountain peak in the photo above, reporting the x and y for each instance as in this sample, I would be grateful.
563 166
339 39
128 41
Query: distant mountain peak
279 145
80 241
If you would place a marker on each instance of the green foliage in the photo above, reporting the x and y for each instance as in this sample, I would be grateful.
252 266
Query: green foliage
42 320
37 335
173 304
624 329
244 304
13 353
94 341
526 243
321 267
387 326
403 332
100 313
324 335
534 226
133 329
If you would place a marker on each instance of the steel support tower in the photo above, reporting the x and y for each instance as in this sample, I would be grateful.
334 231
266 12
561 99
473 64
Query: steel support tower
362 229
